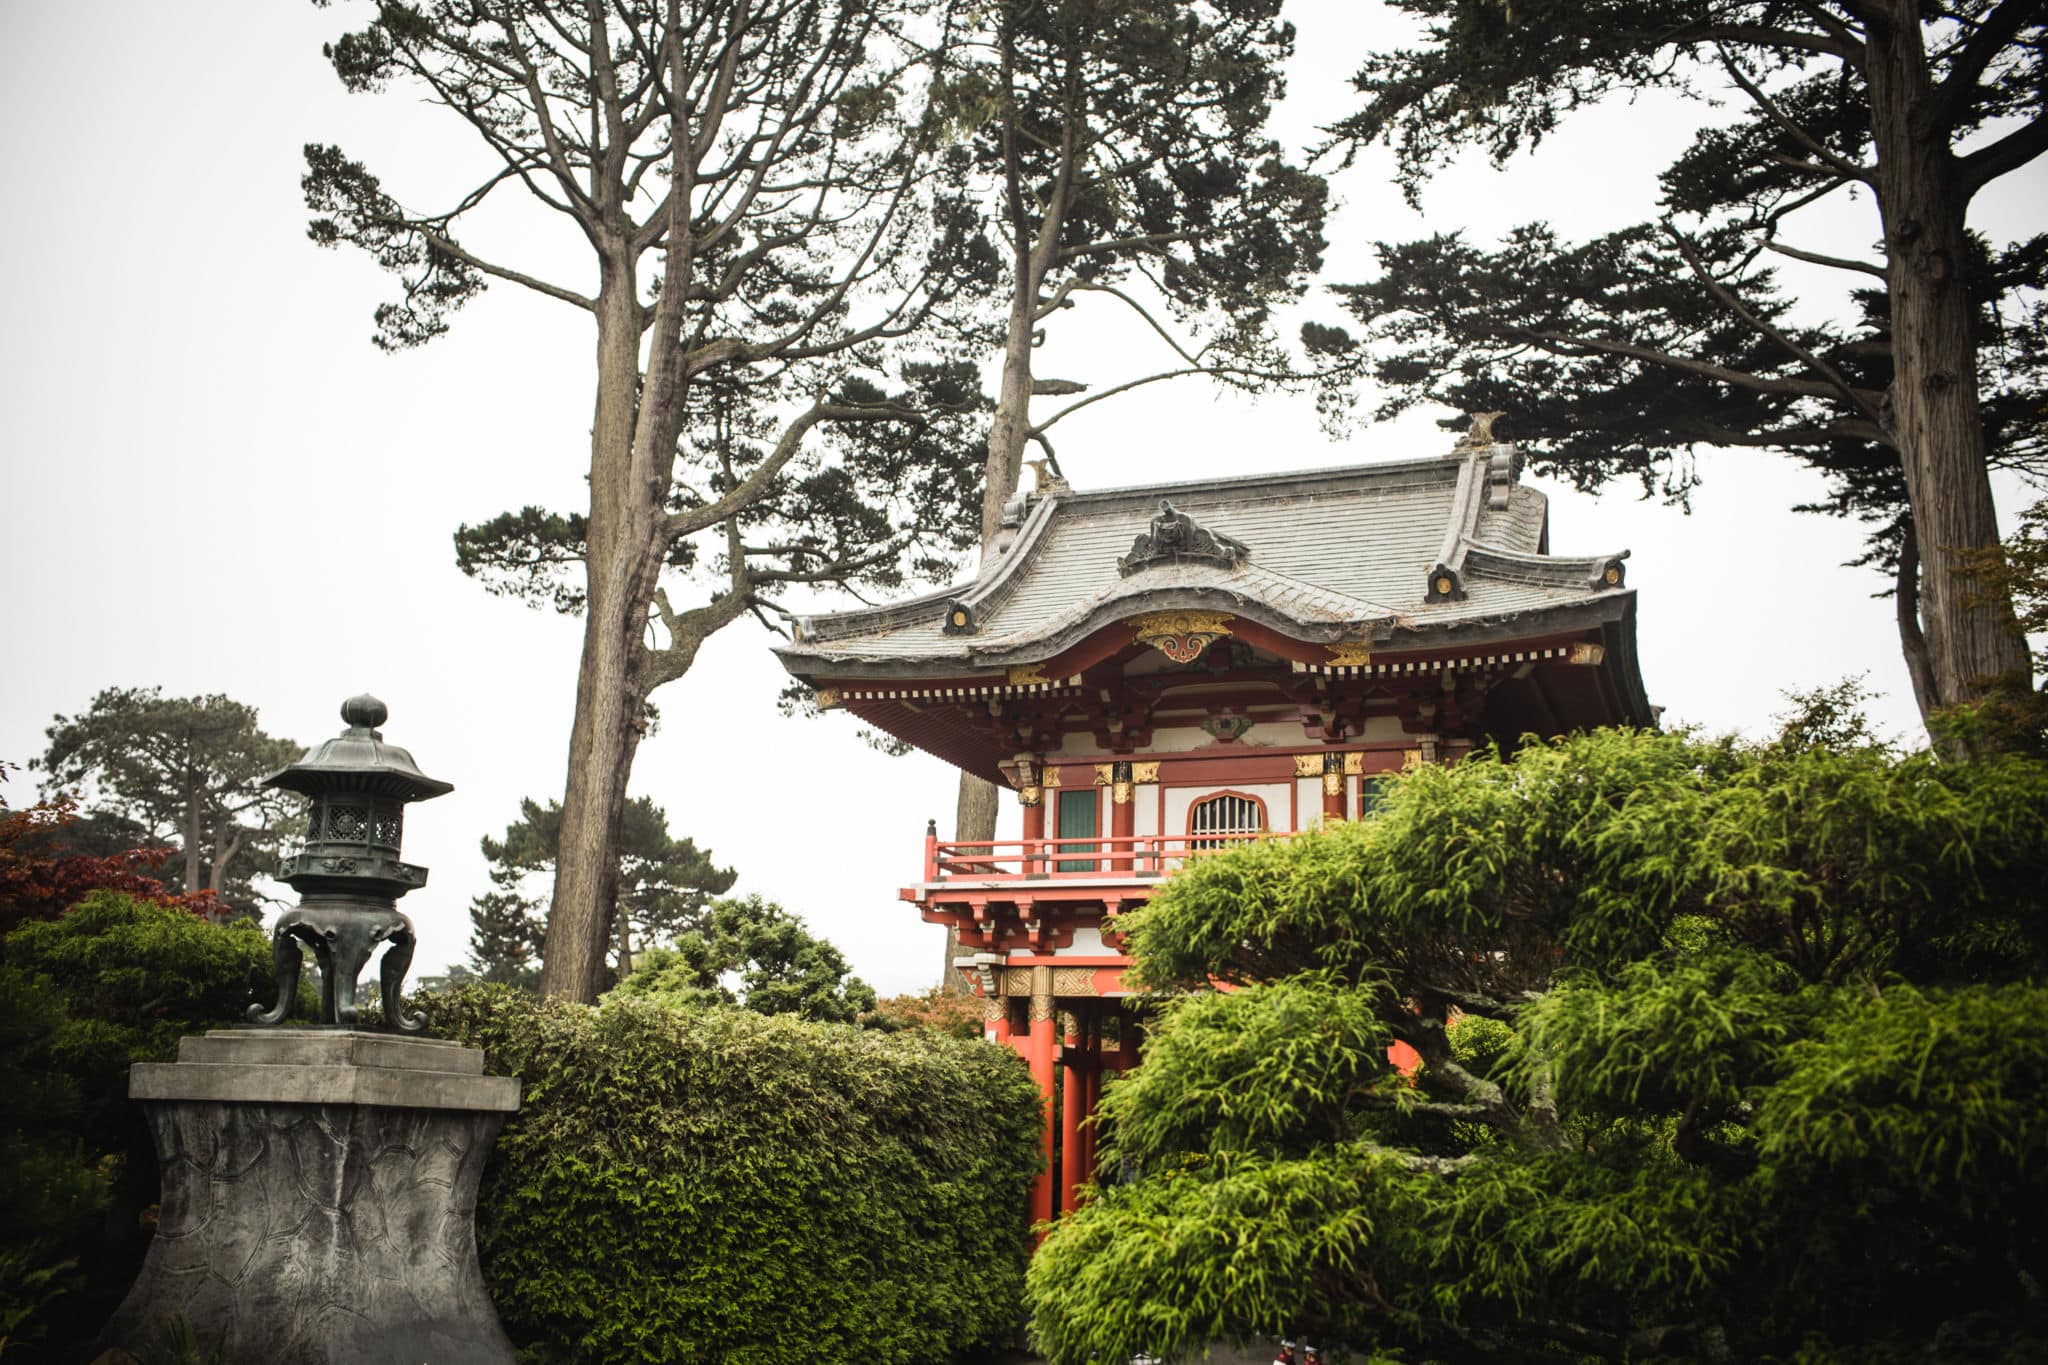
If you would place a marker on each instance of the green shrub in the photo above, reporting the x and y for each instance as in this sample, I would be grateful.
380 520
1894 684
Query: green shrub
1730 1052
715 1185
111 982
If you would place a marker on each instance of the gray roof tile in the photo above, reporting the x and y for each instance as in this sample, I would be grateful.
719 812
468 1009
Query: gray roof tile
1329 549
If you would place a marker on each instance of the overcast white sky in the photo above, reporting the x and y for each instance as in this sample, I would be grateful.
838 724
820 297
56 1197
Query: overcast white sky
210 481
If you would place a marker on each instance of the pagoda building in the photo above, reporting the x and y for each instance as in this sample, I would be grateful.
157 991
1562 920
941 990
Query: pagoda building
1165 671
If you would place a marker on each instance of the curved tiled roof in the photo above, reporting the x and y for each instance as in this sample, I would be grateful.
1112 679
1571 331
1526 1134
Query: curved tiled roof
1402 549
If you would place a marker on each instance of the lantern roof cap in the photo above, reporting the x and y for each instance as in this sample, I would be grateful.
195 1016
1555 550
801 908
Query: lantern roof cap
358 759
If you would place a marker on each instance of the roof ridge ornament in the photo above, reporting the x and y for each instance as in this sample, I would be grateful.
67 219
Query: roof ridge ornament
1481 434
1175 537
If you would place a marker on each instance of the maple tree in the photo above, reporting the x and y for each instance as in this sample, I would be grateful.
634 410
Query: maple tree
41 879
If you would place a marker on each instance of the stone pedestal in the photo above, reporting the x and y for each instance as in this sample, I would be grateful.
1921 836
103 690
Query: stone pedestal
319 1199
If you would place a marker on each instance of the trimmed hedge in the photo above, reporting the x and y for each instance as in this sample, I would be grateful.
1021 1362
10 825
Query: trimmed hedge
714 1185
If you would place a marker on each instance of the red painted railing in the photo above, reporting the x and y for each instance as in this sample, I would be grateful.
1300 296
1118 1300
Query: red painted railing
1092 856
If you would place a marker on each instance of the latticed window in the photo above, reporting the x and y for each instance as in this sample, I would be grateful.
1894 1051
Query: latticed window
1224 813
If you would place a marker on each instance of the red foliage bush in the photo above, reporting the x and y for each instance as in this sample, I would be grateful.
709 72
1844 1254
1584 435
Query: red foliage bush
958 1016
39 880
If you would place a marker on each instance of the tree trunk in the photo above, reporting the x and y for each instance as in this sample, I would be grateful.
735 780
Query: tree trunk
1911 639
225 846
1970 636
1012 425
974 819
974 815
610 677
191 850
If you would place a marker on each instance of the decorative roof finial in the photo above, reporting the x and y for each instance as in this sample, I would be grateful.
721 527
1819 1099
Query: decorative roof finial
1175 536
1046 476
1481 434
364 712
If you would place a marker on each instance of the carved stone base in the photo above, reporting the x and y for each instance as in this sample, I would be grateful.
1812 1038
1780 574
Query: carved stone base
319 1199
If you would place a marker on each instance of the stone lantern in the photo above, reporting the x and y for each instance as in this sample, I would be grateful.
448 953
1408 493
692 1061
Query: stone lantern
320 1184
349 875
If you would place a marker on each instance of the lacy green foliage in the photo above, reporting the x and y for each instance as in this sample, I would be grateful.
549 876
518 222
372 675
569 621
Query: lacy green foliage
1254 1069
1936 1094
1592 850
713 1184
82 997
1137 1270
778 965
1666 1033
1729 1052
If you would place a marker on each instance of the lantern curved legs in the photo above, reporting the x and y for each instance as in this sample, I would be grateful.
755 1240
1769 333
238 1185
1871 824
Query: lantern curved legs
391 979
343 938
286 961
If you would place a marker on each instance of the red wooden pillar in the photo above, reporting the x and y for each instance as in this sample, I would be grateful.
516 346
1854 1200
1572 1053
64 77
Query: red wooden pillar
1123 813
1033 799
1333 786
1091 1087
1073 1108
1040 1056
1031 796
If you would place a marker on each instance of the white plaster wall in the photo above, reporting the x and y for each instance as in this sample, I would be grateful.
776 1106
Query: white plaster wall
1179 739
1308 792
1145 819
1380 729
1087 942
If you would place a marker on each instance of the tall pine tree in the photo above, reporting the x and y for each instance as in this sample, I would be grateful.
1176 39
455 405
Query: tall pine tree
766 237
1673 333
665 885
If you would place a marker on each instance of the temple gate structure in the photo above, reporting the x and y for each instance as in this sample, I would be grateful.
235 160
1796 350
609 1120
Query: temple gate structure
1161 672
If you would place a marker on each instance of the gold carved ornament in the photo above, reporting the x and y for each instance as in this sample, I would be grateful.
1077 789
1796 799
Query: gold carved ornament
1143 773
1181 635
1073 981
825 698
1028 675
1349 655
1333 784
